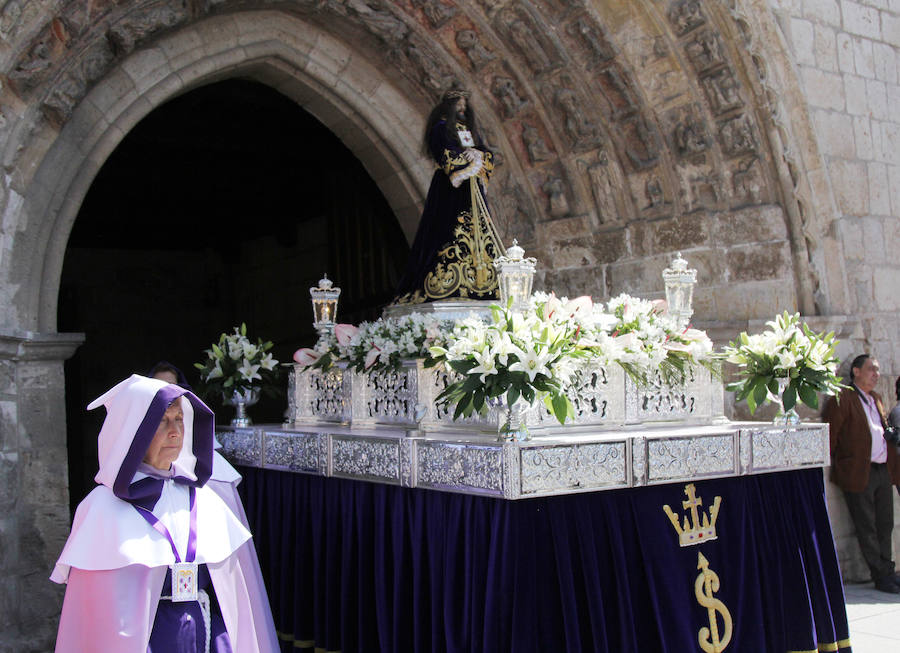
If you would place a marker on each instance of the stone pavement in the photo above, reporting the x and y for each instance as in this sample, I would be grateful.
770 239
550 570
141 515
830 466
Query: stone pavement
874 619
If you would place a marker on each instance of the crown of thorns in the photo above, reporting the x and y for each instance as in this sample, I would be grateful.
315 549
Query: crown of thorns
456 94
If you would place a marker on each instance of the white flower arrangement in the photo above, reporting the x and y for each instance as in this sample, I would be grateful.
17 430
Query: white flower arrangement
379 345
788 350
234 363
538 354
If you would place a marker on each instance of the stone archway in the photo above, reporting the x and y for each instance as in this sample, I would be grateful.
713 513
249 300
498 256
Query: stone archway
372 118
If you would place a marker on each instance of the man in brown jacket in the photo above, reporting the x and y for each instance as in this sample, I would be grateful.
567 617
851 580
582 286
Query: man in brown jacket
865 466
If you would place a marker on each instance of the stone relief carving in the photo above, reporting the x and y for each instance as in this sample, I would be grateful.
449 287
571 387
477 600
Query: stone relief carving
606 185
479 56
436 11
641 142
655 194
580 129
379 21
685 15
746 180
736 136
535 145
530 39
617 90
505 90
593 40
689 135
138 25
29 71
9 17
705 51
430 72
701 190
722 91
556 192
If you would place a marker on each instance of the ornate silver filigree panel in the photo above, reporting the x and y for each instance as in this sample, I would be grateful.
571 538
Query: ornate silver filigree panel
548 470
242 446
407 465
638 460
366 458
787 448
660 402
322 396
460 467
297 452
675 458
387 397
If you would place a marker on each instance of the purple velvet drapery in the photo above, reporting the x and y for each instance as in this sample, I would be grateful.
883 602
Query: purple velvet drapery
355 566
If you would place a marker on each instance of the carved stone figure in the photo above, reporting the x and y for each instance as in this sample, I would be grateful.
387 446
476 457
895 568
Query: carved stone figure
746 182
685 15
654 191
604 189
437 12
378 20
136 26
579 128
722 91
690 136
534 144
641 142
556 191
431 73
736 136
617 90
478 55
523 37
705 51
593 40
504 89
29 70
9 16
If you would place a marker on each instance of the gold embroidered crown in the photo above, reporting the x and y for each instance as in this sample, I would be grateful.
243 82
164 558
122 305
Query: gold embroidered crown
702 529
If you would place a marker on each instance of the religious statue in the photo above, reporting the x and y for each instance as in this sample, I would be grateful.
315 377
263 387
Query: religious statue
456 243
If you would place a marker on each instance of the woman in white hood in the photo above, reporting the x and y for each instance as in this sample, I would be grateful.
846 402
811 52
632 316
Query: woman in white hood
147 541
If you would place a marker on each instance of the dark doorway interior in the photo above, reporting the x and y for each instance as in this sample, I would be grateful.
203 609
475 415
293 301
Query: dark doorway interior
220 207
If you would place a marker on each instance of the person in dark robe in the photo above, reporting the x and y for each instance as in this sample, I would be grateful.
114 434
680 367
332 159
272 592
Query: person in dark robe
158 559
456 243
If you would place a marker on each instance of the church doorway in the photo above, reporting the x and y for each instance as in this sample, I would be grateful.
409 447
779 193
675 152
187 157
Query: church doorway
221 206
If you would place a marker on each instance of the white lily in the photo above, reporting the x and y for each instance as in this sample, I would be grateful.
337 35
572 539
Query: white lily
248 371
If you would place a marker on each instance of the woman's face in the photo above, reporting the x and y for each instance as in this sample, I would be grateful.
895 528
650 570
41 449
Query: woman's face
166 443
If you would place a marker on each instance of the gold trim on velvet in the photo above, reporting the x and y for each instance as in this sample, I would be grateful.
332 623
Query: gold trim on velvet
707 583
827 647
703 528
465 265
303 644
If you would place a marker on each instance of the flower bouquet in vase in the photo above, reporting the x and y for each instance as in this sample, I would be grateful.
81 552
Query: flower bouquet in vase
785 363
237 369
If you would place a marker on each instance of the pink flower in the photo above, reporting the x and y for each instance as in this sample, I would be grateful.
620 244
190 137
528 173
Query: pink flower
371 357
344 333
306 356
583 305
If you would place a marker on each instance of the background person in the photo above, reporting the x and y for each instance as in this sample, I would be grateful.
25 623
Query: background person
865 466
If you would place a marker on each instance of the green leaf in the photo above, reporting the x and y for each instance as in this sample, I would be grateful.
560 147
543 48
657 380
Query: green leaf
789 398
751 403
809 396
759 392
560 407
512 395
478 400
243 329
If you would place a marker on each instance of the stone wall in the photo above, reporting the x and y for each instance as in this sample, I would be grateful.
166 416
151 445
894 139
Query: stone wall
847 56
34 516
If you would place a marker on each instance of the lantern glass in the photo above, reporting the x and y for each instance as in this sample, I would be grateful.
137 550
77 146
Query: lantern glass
680 283
516 275
324 303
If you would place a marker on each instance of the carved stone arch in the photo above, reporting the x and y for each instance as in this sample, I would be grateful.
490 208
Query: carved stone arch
349 95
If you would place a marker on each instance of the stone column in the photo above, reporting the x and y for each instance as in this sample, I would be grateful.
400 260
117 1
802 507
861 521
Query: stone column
34 484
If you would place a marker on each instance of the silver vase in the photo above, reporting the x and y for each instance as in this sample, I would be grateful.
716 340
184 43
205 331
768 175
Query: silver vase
241 399
512 422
